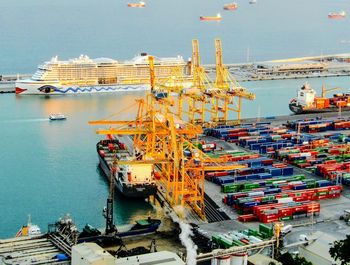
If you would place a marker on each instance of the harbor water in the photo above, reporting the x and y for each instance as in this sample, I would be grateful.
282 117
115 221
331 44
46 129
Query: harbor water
48 168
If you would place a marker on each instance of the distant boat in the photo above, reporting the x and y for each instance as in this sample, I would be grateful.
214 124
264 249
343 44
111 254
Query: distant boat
231 6
29 230
252 1
217 17
57 116
337 15
139 4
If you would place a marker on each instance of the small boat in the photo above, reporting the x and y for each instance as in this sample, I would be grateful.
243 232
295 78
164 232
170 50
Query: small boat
139 4
252 1
217 17
231 6
29 230
57 116
141 227
337 15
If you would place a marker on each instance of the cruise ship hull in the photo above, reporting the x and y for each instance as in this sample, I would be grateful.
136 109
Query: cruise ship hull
57 89
135 190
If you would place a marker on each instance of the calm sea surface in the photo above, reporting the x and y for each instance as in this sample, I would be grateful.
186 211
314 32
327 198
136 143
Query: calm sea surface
50 168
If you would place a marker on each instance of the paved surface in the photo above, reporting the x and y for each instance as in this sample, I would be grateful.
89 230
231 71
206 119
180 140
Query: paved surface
331 210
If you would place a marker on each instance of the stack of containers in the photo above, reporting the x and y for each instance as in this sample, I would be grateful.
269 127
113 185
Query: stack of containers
295 193
319 125
285 211
242 238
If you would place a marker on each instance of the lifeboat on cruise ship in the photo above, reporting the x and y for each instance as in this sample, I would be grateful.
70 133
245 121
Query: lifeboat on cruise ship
231 6
337 15
217 17
139 4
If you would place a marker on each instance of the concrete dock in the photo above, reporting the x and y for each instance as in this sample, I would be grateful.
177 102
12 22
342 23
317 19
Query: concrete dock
26 250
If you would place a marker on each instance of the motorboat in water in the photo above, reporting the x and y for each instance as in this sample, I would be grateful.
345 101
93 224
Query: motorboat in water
57 116
337 15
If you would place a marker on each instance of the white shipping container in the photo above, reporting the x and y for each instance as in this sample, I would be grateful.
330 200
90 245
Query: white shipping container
298 182
256 193
254 239
279 181
307 154
285 200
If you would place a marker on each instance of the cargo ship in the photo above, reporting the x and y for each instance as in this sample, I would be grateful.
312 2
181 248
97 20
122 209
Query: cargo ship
337 15
231 6
139 4
141 227
85 75
307 101
217 17
134 180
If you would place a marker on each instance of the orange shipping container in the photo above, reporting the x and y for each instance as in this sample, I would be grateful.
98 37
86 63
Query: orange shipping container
341 103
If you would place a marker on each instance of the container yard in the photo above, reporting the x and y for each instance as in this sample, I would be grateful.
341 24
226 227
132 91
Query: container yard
228 190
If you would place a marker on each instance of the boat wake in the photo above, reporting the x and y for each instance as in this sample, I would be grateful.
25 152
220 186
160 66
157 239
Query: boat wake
24 120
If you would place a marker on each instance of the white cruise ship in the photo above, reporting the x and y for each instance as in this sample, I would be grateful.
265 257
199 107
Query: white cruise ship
85 75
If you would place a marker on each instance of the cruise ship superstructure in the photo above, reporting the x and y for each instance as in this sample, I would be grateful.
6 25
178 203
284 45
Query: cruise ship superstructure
85 75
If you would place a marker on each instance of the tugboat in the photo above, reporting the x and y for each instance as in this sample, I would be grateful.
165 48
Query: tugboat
134 180
307 101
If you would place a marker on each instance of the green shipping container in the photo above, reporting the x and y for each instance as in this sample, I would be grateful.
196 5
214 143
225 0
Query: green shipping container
252 232
286 218
215 238
237 243
266 229
225 243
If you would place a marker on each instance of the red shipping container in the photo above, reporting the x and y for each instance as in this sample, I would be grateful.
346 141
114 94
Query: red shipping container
247 218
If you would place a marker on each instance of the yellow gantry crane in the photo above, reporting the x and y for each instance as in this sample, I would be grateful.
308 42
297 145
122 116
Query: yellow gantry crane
227 93
162 138
209 101
195 97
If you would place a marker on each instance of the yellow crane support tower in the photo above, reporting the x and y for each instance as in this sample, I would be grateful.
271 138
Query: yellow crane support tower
227 93
195 101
